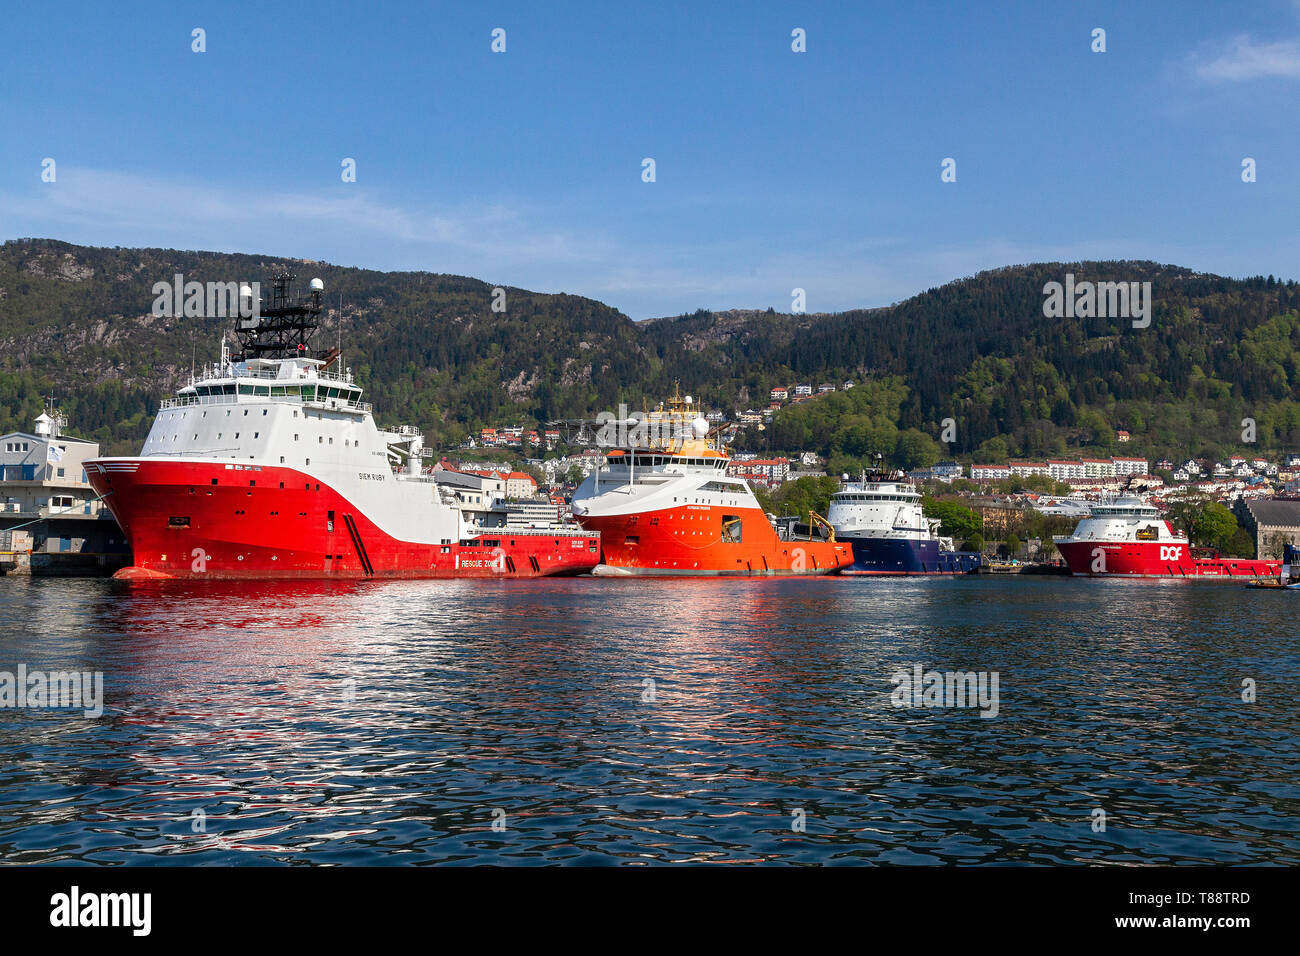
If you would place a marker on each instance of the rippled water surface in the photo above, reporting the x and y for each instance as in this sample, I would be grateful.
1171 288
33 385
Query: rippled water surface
395 722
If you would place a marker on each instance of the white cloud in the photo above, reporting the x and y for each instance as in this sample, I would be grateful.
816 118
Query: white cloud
107 207
522 245
1247 59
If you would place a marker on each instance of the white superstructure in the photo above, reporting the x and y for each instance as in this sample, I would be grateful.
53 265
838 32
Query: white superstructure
1124 519
880 509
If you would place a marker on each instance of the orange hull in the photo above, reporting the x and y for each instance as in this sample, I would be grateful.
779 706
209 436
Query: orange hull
689 540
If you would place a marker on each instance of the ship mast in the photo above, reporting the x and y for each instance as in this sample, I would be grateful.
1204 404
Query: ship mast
282 329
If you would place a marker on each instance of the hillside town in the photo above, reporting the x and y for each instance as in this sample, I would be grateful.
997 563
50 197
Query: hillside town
1263 491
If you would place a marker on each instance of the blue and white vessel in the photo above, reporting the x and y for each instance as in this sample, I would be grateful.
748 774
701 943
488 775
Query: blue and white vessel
883 521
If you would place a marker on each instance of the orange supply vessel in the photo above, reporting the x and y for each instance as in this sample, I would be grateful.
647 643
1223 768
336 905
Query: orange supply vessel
665 505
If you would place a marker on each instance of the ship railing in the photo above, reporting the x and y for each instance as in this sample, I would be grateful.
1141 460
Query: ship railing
191 400
506 532
274 375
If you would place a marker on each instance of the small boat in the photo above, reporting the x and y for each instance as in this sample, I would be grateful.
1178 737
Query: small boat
1289 574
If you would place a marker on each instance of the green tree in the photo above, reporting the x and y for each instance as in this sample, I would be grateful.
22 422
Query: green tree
956 521
916 449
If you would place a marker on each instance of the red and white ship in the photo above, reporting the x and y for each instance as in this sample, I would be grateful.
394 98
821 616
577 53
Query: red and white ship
1127 537
271 466
664 505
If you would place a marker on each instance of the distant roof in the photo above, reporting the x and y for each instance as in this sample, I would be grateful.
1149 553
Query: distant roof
61 438
1274 512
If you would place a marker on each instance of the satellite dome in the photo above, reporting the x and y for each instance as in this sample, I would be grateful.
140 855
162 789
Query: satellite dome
688 399
317 285
701 427
245 291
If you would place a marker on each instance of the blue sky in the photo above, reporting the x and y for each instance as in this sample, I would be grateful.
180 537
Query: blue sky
774 169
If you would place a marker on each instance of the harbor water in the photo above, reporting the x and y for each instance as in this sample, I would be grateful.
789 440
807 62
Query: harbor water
615 721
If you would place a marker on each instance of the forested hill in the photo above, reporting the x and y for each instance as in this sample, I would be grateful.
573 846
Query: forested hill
76 321
981 351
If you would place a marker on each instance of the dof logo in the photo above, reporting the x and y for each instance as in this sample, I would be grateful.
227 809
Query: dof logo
1171 552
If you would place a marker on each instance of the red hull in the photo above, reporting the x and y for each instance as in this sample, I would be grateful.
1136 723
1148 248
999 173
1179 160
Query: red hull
1155 560
232 530
687 541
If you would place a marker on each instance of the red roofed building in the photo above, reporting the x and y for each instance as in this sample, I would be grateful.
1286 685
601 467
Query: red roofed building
520 485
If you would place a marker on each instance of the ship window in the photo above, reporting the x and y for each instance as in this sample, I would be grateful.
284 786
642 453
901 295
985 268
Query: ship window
178 522
329 521
631 539
245 390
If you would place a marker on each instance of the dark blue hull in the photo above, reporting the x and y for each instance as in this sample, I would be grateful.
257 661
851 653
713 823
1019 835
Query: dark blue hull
894 556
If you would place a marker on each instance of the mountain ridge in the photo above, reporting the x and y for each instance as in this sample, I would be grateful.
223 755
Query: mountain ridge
430 350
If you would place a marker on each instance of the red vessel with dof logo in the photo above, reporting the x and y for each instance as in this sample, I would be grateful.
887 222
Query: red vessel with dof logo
1128 538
